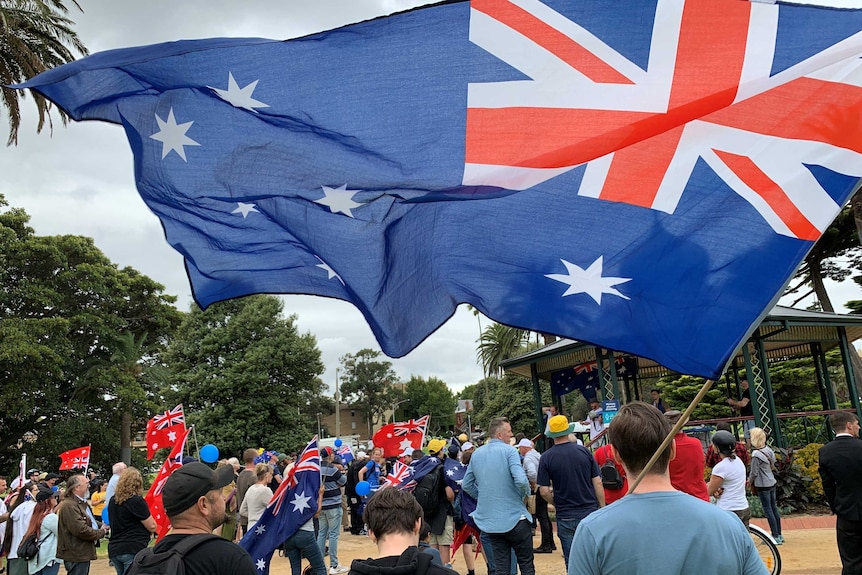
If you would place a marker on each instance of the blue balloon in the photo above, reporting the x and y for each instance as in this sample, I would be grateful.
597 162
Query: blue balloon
209 453
55 489
105 516
337 443
363 488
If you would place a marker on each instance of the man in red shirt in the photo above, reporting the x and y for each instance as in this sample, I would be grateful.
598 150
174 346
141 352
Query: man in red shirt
601 455
686 468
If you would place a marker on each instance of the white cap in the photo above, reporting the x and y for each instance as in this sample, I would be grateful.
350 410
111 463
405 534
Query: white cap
525 443
467 445
361 455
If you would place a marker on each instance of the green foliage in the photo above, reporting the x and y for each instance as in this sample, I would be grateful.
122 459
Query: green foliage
755 505
511 397
246 376
430 397
680 390
62 307
808 459
791 489
367 383
499 342
35 35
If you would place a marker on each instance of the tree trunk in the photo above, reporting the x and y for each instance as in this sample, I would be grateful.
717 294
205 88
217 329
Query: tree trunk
819 288
126 438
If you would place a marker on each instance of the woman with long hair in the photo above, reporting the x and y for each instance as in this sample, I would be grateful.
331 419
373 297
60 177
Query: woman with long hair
43 524
132 524
20 513
727 483
762 480
257 496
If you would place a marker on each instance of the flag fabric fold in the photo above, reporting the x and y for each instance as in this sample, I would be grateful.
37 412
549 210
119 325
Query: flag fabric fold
645 179
78 458
164 429
396 438
154 494
293 504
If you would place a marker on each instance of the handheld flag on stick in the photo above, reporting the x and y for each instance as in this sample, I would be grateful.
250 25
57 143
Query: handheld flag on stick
75 458
395 438
154 495
293 504
657 177
164 429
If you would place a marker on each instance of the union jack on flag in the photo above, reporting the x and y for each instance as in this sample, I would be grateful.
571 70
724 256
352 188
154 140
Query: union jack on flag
169 418
293 504
400 474
410 426
674 160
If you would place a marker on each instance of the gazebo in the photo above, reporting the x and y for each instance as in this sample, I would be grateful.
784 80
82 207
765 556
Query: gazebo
783 334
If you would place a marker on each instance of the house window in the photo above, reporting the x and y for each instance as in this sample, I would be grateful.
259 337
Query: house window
353 425
352 414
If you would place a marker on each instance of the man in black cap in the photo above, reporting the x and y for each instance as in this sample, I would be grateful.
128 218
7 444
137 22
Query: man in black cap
193 500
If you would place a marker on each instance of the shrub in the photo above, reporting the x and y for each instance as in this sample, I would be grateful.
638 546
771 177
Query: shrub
808 459
791 489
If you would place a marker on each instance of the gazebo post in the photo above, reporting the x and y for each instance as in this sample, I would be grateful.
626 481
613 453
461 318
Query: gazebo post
610 385
537 399
823 376
770 412
848 371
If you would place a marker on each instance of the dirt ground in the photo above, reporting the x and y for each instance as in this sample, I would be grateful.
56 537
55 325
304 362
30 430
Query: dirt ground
805 552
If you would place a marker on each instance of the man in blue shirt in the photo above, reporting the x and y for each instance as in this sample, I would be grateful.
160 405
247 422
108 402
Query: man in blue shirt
330 509
496 479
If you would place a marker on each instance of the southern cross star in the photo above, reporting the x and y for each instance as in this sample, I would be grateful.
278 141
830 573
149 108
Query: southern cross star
239 97
261 564
300 502
589 281
245 209
339 199
330 273
173 136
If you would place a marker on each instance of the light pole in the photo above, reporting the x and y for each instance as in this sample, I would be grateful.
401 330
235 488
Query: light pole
395 406
318 426
337 407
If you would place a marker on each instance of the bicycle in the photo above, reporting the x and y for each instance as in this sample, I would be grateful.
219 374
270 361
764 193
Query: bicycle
766 548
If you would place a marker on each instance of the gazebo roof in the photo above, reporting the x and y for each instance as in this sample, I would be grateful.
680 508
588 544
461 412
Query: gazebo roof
786 333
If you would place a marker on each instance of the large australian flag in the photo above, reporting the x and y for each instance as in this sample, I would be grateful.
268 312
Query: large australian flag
293 504
645 178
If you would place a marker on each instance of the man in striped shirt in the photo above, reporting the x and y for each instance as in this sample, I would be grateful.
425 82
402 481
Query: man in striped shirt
330 515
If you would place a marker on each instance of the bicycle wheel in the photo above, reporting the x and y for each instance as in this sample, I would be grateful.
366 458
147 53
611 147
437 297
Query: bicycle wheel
767 550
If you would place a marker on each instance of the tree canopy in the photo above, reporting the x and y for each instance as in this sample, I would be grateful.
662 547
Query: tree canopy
430 397
368 383
246 376
63 305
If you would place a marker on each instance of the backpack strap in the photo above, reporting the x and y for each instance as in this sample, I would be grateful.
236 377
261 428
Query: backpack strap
189 542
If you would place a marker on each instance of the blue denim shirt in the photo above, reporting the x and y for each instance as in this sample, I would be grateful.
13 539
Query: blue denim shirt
496 479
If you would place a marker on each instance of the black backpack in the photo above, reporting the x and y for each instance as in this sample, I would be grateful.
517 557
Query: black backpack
29 546
611 478
148 562
427 492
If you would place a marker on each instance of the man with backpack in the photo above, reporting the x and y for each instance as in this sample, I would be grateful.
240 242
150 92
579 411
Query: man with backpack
575 477
193 500
435 498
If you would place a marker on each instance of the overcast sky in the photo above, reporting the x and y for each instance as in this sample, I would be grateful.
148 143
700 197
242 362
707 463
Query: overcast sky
80 180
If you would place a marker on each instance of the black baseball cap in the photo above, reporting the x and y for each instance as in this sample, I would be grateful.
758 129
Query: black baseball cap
51 476
43 494
191 482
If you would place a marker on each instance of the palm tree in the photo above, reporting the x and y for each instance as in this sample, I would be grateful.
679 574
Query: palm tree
499 342
35 35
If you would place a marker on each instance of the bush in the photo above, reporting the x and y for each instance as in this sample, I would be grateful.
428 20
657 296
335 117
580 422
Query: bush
755 505
808 459
791 489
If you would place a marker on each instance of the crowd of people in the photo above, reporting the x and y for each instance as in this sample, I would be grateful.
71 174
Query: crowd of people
489 499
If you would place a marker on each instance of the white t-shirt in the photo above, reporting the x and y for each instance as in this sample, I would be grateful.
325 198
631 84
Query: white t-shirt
20 523
732 470
2 525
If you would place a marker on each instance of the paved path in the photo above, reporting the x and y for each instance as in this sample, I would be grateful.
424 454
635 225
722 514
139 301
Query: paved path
801 522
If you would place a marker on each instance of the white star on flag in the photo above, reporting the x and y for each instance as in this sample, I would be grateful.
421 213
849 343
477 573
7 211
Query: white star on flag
155 446
173 136
300 502
172 436
261 564
330 273
405 444
588 281
339 200
260 529
239 97
450 472
245 209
